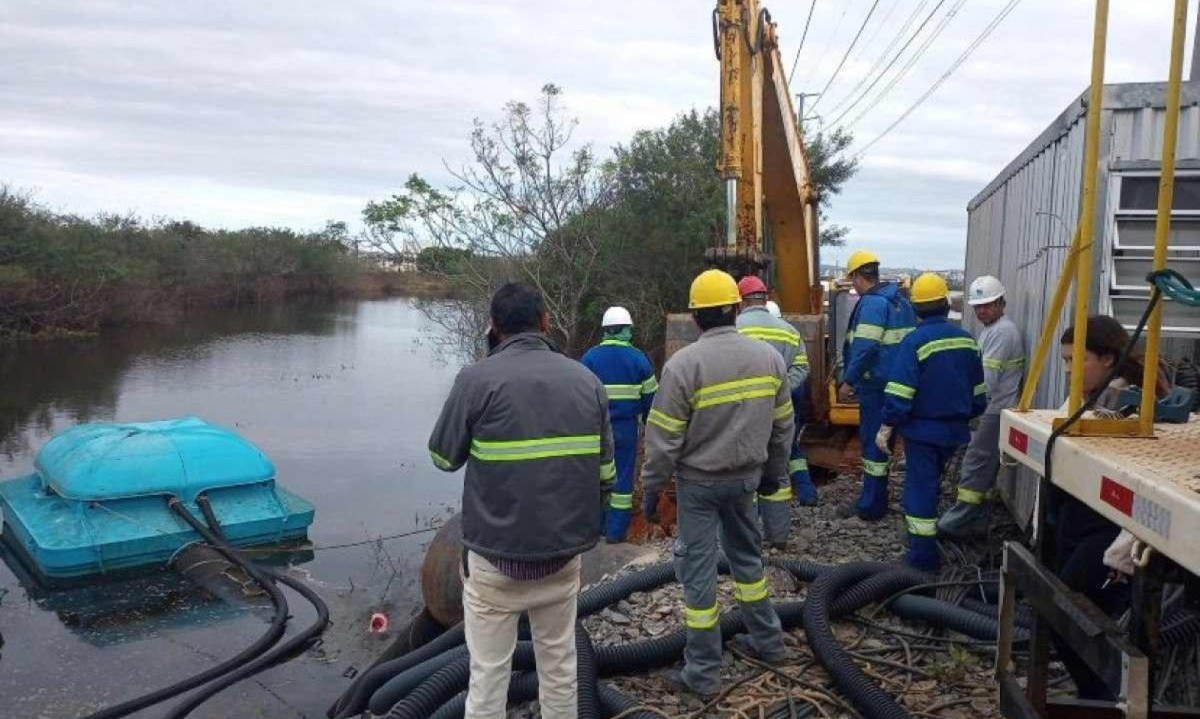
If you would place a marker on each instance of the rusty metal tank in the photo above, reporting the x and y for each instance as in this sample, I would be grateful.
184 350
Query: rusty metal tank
441 584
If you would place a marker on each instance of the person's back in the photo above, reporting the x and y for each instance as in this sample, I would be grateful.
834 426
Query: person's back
948 379
757 323
532 427
628 377
721 424
630 384
935 388
879 321
727 437
528 401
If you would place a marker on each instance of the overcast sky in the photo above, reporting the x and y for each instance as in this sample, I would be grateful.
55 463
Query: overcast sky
292 113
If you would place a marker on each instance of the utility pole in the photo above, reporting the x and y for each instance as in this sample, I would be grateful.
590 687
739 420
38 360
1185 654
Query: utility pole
800 108
1195 72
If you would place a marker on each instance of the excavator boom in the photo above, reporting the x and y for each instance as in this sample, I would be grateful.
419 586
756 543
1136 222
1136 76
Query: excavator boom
770 200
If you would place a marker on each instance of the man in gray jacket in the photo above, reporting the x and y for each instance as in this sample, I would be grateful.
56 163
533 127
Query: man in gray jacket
1003 352
532 428
722 423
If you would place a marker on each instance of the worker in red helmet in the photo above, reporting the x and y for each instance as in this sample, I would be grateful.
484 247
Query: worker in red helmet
757 322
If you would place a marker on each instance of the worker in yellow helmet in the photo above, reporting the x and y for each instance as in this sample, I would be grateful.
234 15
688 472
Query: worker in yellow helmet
880 319
935 388
722 424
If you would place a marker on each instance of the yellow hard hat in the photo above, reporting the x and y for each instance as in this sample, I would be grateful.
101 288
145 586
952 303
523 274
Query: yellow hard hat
713 288
858 258
929 287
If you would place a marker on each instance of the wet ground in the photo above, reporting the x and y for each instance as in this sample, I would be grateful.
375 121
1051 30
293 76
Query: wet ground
340 396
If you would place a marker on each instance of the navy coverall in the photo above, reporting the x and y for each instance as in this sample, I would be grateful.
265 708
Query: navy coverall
935 388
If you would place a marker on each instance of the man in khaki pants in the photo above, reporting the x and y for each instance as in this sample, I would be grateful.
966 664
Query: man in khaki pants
532 428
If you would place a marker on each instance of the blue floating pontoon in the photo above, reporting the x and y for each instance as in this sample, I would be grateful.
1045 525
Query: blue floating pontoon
98 500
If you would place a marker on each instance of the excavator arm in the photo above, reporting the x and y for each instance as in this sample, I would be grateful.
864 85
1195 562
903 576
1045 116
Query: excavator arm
771 203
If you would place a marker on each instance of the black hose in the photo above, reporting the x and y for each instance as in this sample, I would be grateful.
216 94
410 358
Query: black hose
614 701
586 670
280 653
268 639
872 701
399 686
1023 617
1182 630
356 698
522 687
958 619
433 692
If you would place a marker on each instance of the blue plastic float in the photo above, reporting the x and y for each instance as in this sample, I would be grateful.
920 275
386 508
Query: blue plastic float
97 501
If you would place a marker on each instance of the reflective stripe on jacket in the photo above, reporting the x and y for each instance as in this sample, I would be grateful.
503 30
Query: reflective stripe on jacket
878 323
757 323
627 375
723 412
533 429
1003 351
935 384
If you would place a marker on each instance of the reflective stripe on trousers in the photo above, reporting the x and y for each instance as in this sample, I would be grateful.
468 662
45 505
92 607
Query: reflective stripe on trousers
922 482
619 512
706 510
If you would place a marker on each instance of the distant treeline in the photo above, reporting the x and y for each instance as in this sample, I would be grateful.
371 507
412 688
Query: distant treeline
65 274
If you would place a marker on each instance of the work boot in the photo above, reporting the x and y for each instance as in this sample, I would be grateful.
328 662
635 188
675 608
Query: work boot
963 521
744 644
675 679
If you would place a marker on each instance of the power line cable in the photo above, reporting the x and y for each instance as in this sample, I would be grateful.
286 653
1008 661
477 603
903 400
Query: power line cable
803 36
987 31
838 69
882 73
909 64
887 51
829 38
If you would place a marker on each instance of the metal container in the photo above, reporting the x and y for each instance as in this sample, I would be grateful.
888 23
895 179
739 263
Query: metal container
1020 226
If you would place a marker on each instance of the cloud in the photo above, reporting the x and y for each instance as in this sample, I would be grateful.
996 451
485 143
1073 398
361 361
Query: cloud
292 113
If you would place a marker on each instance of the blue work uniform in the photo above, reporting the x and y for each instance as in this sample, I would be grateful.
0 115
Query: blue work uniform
880 320
935 388
629 380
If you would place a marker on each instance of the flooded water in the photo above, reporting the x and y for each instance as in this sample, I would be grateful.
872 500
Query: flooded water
341 397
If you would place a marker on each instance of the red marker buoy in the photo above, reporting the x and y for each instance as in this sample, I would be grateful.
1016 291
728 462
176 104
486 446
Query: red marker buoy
379 623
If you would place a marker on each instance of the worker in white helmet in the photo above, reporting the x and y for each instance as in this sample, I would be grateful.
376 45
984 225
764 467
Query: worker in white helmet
1003 351
629 380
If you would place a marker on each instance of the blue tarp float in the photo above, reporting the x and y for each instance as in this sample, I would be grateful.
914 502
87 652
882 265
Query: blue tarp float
97 501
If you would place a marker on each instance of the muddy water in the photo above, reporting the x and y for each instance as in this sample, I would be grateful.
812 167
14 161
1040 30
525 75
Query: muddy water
340 396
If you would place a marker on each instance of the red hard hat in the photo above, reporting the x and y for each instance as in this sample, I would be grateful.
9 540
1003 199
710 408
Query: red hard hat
751 285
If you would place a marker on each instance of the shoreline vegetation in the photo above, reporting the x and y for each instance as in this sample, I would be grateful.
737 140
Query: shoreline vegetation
67 276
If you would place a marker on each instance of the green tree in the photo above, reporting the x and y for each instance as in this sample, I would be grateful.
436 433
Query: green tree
523 208
831 168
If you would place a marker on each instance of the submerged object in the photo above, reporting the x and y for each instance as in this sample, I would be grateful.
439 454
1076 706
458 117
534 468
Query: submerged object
97 502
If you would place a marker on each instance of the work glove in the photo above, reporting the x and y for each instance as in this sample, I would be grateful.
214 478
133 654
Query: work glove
650 505
768 486
882 437
1120 554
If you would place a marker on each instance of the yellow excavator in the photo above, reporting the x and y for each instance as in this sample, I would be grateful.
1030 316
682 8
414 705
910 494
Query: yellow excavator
772 211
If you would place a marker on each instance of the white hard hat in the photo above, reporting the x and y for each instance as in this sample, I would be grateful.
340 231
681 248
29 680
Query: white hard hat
773 308
616 317
984 290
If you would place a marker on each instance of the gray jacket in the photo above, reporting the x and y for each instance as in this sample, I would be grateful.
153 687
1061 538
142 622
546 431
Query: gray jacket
758 323
1003 352
532 427
723 412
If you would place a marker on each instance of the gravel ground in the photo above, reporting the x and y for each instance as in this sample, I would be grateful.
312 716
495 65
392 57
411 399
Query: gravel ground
929 677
